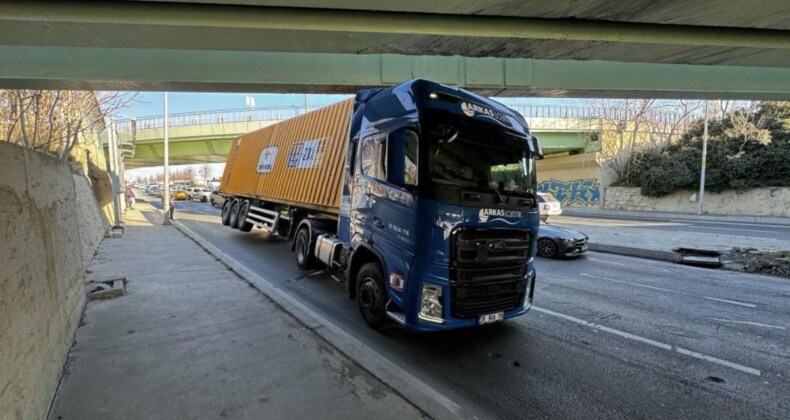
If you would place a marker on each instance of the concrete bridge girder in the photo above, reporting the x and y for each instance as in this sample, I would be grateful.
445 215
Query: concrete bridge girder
504 48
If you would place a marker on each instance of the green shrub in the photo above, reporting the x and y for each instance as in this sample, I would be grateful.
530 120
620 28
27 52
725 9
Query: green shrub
755 154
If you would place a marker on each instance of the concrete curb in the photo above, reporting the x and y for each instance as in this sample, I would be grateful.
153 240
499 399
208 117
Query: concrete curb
427 399
582 212
650 254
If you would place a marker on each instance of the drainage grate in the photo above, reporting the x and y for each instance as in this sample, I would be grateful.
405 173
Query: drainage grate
699 257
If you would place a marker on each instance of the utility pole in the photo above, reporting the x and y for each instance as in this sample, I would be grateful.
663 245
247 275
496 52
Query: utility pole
305 103
112 147
166 192
701 209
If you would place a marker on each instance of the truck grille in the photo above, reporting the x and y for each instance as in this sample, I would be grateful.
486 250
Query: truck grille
487 270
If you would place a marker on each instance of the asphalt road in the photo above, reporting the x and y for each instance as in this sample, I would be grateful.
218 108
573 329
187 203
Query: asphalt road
609 336
754 230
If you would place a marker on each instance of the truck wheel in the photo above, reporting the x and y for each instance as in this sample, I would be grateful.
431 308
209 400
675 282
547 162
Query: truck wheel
372 295
304 253
234 214
226 213
242 223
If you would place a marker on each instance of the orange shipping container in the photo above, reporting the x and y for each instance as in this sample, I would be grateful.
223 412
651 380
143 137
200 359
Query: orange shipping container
297 162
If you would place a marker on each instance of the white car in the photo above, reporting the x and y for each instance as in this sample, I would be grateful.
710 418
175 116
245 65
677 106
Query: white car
216 199
549 206
198 193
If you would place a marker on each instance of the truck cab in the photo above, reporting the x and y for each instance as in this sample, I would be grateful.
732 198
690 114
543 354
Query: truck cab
438 216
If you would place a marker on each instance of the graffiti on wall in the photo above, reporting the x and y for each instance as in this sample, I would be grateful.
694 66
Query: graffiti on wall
584 192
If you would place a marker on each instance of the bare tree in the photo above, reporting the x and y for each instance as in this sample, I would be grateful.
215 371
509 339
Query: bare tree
56 121
627 127
205 171
189 174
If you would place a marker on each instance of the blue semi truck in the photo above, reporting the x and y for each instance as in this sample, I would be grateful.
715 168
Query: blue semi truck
430 214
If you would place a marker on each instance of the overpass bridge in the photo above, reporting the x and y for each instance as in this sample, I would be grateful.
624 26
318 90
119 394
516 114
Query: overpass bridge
206 137
639 48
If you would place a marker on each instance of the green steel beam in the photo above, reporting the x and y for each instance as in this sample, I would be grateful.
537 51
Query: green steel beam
46 14
191 151
249 71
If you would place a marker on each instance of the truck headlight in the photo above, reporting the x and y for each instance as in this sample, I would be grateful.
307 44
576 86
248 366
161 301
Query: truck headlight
431 303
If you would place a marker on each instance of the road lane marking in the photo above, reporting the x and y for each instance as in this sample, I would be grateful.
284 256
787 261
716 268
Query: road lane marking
748 305
630 265
732 302
748 323
732 229
654 343
732 223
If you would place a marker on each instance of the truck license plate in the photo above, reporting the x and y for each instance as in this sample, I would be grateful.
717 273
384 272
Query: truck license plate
489 318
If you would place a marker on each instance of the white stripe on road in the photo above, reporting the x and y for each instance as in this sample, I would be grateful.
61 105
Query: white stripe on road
748 323
732 229
731 223
654 343
732 302
748 305
641 267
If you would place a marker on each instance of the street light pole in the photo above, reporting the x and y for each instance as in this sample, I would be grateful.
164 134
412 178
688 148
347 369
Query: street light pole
166 192
701 209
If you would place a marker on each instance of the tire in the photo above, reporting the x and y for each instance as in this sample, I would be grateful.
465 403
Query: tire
213 204
234 214
547 248
242 223
204 199
305 259
226 213
189 197
372 295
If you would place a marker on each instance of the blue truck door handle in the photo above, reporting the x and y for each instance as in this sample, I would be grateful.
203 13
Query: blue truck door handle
378 223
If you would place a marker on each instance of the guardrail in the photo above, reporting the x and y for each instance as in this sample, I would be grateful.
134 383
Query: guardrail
212 117
530 112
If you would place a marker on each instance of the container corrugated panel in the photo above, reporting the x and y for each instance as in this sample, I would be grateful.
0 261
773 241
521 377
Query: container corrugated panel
307 169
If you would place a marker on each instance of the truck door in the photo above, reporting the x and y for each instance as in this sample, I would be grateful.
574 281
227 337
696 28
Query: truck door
393 205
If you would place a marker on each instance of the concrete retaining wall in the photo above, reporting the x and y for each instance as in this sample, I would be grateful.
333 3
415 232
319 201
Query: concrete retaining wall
755 202
575 180
46 236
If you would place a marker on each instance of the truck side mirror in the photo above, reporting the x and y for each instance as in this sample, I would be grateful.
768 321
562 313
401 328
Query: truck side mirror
535 147
402 157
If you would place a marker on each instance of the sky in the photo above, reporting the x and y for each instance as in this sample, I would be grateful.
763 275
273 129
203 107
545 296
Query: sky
152 103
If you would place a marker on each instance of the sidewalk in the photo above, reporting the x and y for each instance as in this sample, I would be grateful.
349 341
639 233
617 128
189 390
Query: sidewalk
192 340
636 238
598 212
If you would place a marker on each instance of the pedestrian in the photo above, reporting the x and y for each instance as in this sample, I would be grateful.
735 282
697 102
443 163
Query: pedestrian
130 197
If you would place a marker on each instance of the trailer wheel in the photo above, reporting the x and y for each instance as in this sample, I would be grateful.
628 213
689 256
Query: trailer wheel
372 295
226 212
242 223
234 214
304 253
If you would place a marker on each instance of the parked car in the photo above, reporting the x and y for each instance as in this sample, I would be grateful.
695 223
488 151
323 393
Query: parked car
179 195
198 193
549 206
216 199
557 242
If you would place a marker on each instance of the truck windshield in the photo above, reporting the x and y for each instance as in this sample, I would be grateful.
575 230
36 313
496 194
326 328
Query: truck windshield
489 164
